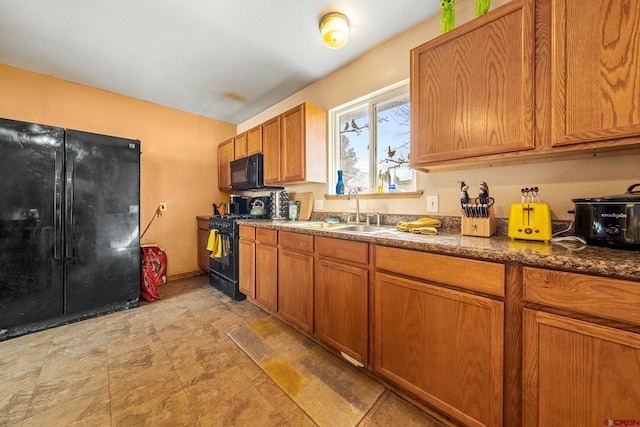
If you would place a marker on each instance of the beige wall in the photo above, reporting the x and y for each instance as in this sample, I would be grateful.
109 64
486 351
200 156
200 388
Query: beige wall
388 63
179 150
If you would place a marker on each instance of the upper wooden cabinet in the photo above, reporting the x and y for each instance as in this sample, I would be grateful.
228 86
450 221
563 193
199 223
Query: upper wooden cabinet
240 146
595 71
225 156
254 140
472 90
301 155
271 150
530 78
294 145
304 144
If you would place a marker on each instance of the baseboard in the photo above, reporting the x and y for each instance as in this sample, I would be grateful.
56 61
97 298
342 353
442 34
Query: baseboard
185 275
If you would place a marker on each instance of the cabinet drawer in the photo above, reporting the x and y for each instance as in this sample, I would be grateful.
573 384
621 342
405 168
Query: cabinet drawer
343 250
247 232
600 296
265 235
481 276
296 242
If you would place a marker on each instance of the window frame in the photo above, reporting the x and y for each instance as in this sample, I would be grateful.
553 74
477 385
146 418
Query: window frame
370 101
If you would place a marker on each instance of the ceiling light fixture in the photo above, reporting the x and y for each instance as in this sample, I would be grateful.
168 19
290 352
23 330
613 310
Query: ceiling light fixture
334 27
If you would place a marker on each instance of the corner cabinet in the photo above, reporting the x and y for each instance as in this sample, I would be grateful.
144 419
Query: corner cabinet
444 345
226 152
595 77
295 146
472 89
581 355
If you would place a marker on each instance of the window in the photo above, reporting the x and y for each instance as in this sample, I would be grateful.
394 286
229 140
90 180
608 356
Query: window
370 141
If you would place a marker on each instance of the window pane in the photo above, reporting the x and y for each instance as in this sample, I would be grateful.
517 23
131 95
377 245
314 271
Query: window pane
392 118
354 148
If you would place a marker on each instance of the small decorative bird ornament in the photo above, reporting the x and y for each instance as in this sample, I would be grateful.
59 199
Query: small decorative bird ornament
482 6
391 152
447 20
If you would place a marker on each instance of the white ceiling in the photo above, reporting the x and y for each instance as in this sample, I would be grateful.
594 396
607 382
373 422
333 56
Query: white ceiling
223 59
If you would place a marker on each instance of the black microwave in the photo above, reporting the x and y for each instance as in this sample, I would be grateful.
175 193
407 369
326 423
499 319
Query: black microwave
247 173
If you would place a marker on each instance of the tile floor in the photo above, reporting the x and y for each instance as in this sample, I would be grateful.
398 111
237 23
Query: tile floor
167 363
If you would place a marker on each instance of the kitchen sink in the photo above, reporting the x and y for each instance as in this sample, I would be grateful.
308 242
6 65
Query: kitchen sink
364 228
355 228
325 225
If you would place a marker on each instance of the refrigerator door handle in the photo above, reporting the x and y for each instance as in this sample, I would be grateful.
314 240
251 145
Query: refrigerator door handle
57 207
69 207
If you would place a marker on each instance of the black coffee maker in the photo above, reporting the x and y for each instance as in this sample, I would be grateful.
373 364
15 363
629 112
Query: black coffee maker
238 205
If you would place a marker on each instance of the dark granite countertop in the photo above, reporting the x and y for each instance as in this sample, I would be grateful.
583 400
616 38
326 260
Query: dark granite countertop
587 259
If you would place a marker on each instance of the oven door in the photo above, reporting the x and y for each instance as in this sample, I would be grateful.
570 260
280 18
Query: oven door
223 261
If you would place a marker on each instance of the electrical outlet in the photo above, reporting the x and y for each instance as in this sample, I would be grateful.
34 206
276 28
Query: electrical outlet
162 206
319 205
432 203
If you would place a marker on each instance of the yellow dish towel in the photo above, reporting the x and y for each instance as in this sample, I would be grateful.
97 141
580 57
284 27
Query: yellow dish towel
420 226
214 244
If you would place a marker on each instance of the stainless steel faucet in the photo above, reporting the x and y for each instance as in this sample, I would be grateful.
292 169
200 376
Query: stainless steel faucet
355 190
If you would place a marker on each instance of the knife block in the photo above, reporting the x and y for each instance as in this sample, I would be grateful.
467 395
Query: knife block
481 227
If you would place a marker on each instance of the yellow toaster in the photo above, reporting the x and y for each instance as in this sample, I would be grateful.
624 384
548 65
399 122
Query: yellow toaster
530 221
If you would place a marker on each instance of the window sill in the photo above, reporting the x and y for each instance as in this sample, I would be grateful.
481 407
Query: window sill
399 195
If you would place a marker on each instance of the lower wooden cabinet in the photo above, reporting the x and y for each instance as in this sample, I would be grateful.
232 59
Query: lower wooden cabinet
295 279
579 373
581 353
443 345
247 261
341 296
203 239
267 268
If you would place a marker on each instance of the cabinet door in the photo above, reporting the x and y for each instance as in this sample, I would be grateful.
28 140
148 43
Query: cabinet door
240 146
472 89
293 161
341 305
254 140
295 288
225 156
203 239
596 70
271 150
578 373
247 267
444 346
267 276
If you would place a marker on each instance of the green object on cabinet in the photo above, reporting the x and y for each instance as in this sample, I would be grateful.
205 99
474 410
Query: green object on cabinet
447 20
482 6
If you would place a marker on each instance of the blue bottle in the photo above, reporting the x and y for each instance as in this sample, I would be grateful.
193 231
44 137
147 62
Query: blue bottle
340 184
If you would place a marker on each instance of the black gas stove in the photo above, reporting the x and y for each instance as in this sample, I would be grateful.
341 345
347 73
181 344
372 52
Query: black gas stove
223 265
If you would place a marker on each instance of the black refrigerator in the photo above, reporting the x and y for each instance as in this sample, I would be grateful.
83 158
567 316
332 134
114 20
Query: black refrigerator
69 226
